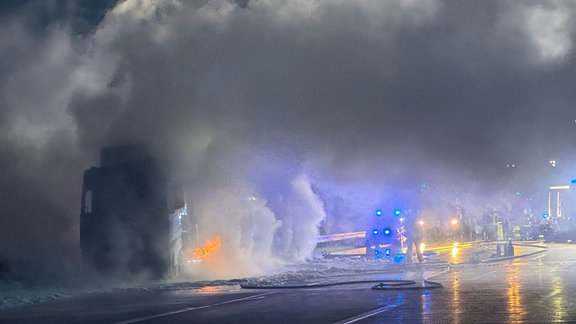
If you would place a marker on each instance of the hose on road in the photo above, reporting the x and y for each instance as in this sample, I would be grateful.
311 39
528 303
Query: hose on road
393 284
406 285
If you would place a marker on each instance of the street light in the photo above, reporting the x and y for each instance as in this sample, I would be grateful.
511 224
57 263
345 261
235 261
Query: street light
454 222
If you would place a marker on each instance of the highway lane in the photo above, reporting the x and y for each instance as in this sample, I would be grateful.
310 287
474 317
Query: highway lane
535 289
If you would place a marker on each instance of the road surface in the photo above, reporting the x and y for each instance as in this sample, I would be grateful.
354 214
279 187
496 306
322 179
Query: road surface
537 288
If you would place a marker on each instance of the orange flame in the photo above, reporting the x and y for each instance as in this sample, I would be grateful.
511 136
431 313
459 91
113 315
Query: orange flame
210 246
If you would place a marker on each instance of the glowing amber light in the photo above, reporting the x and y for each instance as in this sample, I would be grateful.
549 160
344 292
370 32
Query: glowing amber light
455 250
209 247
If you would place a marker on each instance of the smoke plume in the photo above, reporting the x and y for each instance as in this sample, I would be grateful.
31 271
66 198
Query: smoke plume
281 118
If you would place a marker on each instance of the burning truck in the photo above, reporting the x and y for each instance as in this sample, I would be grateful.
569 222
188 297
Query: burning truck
134 223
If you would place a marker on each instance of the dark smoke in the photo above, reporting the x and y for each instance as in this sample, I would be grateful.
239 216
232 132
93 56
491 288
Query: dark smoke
317 109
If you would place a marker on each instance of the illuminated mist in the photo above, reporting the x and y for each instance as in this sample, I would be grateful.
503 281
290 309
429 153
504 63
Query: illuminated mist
283 120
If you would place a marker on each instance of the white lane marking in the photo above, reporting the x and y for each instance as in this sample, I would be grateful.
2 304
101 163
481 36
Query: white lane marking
366 315
188 309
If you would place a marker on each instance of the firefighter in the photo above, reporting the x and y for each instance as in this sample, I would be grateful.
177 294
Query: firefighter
414 235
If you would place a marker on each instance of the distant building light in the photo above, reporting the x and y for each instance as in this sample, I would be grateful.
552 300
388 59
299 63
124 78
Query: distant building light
561 187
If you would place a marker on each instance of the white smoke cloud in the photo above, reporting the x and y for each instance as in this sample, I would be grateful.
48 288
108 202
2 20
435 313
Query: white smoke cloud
300 104
550 32
302 214
246 227
264 215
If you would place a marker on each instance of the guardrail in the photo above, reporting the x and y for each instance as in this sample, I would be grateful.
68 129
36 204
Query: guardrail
340 237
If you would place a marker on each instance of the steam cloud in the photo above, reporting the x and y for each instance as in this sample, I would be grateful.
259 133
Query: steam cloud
315 109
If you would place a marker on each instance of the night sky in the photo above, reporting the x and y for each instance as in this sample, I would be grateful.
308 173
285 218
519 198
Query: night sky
317 109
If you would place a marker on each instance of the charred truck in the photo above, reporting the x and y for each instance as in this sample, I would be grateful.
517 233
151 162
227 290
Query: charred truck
127 218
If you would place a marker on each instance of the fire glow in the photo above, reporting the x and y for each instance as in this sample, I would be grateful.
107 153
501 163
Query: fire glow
209 248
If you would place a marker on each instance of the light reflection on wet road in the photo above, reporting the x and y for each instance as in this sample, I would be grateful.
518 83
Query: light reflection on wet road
536 289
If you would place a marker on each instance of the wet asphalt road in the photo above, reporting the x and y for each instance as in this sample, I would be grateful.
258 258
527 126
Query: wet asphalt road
540 288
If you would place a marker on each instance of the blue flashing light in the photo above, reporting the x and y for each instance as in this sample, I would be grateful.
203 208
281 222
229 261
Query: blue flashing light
375 232
387 231
397 212
545 215
379 212
387 252
573 181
